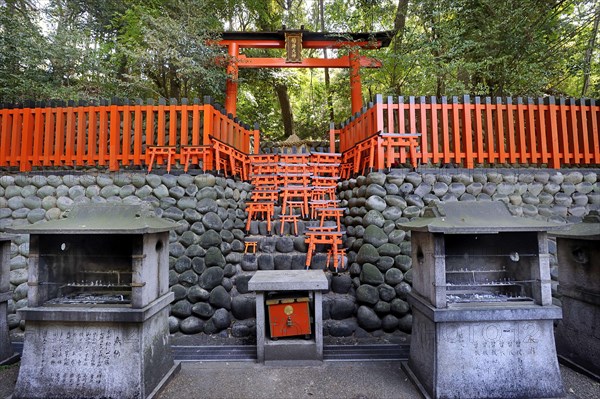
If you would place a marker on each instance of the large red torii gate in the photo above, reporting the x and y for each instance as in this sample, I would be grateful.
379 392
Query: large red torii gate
294 41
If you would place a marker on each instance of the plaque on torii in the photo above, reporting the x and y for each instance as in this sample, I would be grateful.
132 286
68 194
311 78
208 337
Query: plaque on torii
293 47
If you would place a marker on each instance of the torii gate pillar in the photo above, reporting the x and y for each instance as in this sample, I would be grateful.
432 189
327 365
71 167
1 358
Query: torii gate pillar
231 86
355 84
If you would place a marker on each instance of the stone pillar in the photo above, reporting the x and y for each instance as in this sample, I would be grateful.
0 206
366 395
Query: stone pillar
7 354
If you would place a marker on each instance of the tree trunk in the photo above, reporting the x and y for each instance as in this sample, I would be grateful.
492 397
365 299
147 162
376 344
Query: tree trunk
286 109
588 53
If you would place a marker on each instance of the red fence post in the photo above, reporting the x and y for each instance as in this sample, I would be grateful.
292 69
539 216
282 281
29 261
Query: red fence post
38 137
587 151
510 121
456 141
115 138
595 122
574 131
26 140
553 134
435 135
468 132
479 130
425 154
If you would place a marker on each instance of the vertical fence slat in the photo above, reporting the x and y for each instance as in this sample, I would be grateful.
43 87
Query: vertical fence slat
15 141
92 144
38 138
81 135
587 153
531 128
435 137
390 115
510 121
425 153
542 134
172 125
48 136
468 132
60 136
502 155
564 132
26 140
445 130
196 123
489 129
522 139
553 134
114 149
149 129
456 131
6 128
595 122
574 131
126 130
479 130
103 136
161 132
137 133
70 137
401 119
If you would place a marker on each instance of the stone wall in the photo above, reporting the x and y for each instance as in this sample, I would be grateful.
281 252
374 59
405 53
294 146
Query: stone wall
209 271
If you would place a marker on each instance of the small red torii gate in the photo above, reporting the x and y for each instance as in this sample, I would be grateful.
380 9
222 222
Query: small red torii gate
294 41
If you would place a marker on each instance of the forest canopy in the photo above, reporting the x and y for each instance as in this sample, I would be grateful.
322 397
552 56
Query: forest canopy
96 49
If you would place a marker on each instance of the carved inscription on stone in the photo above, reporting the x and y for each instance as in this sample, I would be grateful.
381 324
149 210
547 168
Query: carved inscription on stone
92 361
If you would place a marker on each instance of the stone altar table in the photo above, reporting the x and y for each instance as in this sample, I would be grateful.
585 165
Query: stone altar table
294 351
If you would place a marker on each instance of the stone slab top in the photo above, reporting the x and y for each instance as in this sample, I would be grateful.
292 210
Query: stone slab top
588 229
288 280
101 219
475 218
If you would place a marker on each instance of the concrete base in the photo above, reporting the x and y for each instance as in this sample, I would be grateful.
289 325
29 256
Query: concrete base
294 351
289 281
104 359
488 354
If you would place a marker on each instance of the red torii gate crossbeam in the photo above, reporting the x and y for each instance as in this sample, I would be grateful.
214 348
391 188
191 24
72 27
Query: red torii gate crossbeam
294 41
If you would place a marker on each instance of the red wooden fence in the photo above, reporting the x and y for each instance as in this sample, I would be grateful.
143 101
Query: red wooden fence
112 135
503 131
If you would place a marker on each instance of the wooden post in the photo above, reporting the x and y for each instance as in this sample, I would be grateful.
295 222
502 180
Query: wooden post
445 132
26 140
554 142
435 137
425 154
479 130
594 117
512 148
502 155
587 153
331 137
137 133
523 153
115 138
